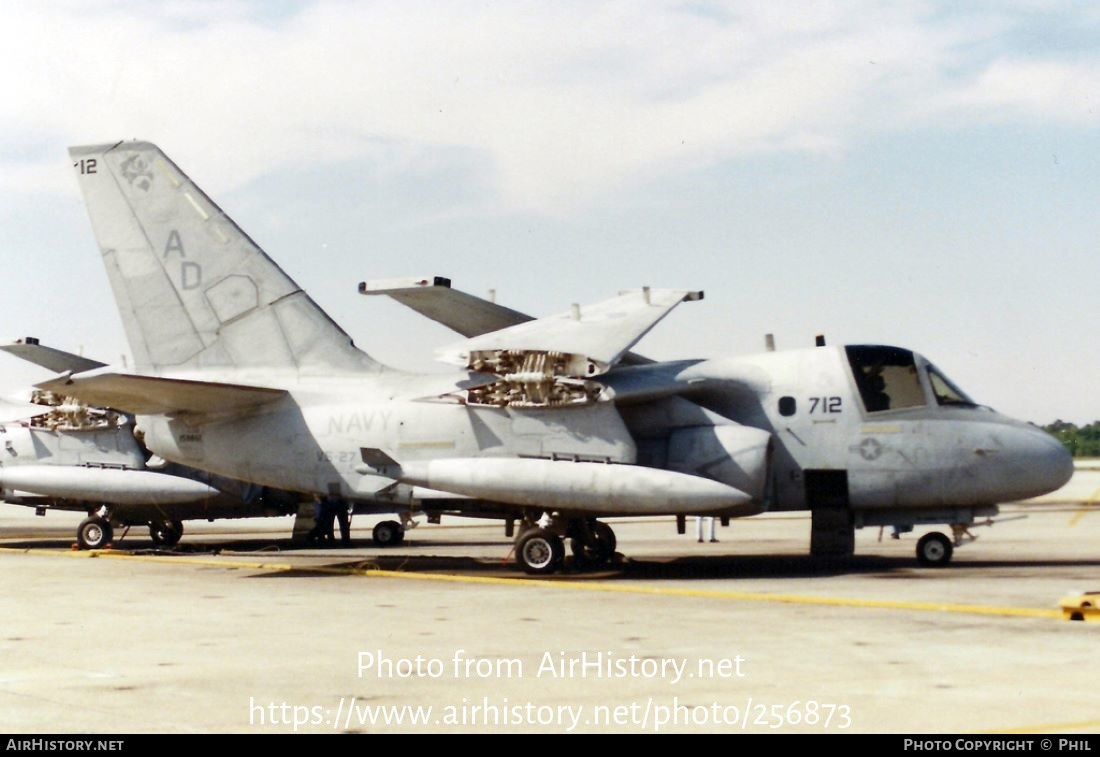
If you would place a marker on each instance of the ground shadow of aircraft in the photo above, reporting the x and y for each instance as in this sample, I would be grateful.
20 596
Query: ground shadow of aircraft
550 422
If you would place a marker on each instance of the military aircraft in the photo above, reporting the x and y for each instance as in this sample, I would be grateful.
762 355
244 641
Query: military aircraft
551 421
60 454
67 456
851 469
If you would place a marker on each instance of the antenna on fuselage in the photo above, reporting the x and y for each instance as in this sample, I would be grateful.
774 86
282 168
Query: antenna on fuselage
769 342
819 340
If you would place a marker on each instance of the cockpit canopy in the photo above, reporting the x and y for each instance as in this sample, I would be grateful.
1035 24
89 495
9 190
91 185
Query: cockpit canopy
891 378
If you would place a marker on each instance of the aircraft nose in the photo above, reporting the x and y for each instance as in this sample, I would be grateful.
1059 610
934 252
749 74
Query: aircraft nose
1033 463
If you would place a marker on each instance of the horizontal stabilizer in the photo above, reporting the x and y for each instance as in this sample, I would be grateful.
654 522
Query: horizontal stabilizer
49 358
148 395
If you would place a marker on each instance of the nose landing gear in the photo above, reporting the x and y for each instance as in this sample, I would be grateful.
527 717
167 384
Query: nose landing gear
934 550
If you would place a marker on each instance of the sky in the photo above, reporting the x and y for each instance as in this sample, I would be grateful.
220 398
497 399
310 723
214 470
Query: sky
921 174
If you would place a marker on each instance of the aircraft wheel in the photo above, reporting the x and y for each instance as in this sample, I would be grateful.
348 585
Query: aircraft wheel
934 550
605 536
388 533
591 556
539 552
165 533
94 532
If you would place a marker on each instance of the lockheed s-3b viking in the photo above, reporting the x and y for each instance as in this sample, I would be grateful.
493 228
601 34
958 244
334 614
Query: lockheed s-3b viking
552 422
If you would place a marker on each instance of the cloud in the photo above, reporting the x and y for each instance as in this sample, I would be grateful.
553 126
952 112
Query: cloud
565 102
1048 92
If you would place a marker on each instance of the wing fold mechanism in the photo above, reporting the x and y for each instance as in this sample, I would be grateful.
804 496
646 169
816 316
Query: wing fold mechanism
548 362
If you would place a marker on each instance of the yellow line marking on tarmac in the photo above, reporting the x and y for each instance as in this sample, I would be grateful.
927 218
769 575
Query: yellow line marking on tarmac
365 569
1085 507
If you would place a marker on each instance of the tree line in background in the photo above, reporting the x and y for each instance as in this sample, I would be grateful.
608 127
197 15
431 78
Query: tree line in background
1081 441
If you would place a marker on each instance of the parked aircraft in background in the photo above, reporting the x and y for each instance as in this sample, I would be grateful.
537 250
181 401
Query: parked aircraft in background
550 421
59 454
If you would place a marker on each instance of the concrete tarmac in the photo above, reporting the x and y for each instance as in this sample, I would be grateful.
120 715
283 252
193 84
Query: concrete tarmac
239 630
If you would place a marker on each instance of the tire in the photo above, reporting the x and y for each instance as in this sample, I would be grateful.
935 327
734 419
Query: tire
388 533
592 557
165 533
605 535
94 532
539 552
934 550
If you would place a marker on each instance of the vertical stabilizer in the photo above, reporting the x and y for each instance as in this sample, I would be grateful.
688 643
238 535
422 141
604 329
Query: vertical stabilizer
194 291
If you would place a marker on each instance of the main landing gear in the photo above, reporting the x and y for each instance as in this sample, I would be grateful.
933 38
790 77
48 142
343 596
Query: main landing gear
388 533
94 532
540 549
391 533
165 533
97 531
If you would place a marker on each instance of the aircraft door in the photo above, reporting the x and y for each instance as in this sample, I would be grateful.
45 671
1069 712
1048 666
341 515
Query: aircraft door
832 530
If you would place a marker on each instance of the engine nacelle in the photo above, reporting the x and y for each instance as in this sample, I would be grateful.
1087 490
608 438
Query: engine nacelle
736 455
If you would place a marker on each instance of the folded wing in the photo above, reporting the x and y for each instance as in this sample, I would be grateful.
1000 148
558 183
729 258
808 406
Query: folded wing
49 358
148 395
592 339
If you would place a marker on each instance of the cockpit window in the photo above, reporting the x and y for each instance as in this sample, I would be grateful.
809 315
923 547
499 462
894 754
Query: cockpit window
886 376
947 393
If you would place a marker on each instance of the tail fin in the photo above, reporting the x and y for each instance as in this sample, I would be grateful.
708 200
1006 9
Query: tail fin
193 290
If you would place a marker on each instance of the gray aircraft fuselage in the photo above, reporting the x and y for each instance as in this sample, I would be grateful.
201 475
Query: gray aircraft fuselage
826 445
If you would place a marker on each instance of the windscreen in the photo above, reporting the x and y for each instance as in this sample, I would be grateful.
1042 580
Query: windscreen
945 391
886 376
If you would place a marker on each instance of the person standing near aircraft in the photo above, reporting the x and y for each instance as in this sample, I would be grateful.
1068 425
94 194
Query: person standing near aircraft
329 510
699 523
322 521
339 512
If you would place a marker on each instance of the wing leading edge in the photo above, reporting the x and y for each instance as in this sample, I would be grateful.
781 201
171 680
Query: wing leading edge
148 395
